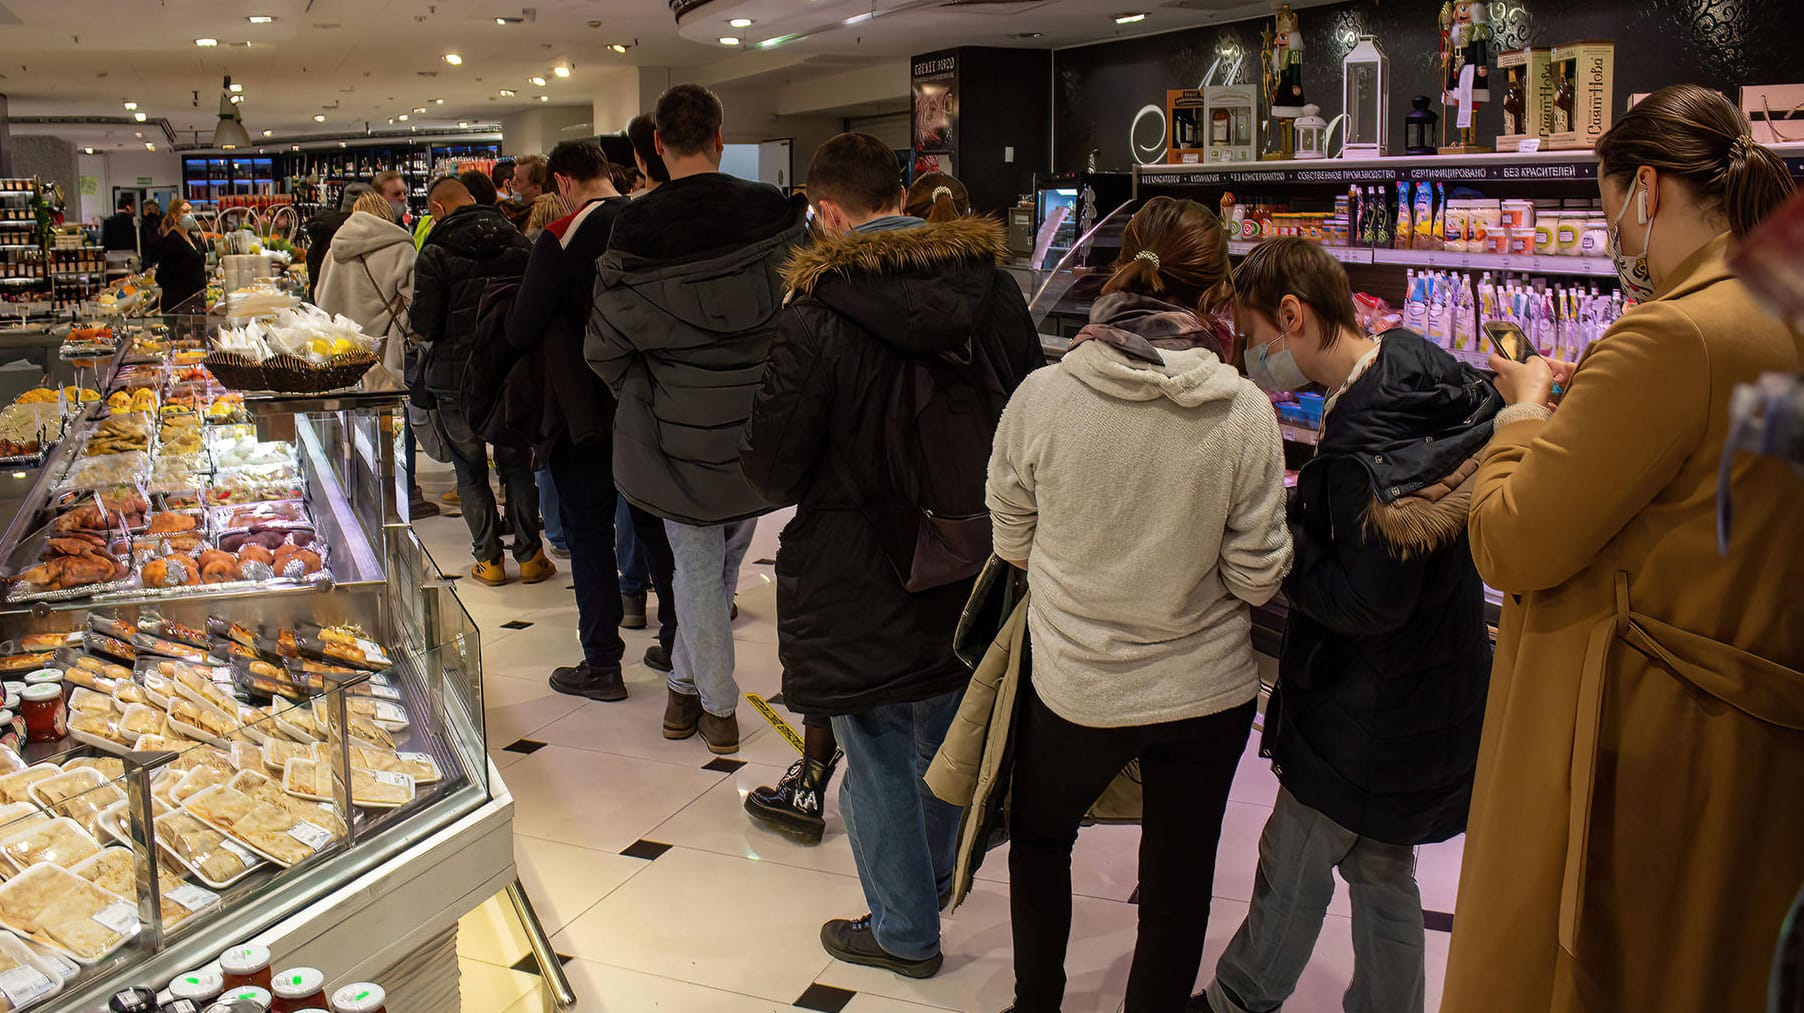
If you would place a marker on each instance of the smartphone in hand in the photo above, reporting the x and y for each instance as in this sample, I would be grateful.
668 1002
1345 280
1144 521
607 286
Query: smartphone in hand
1509 340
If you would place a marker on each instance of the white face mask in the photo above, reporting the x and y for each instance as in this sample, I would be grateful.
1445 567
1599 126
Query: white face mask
1636 280
1274 371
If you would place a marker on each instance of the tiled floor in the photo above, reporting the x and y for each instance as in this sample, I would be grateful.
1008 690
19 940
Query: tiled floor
720 916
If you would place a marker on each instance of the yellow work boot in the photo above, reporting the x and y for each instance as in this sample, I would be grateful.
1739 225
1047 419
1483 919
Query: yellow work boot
537 568
492 573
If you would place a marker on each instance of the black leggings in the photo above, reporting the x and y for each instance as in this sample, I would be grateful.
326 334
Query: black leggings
1061 768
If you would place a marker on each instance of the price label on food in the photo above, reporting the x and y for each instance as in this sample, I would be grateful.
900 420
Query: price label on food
245 855
24 985
120 917
312 835
390 777
370 650
192 897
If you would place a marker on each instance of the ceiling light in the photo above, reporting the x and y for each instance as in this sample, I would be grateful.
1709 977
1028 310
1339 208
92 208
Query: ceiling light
419 109
544 98
536 82
234 87
131 106
560 71
140 117
507 93
139 134
259 19
341 144
617 47
741 22
294 147
235 99
319 117
728 40
149 146
229 147
438 101
501 21
454 60
206 43
1129 19
463 124
269 133
391 121
402 118
229 132
87 151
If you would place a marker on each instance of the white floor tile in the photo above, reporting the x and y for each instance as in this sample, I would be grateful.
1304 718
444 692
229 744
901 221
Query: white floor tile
517 708
594 800
492 934
564 880
717 823
487 988
864 1002
601 988
728 923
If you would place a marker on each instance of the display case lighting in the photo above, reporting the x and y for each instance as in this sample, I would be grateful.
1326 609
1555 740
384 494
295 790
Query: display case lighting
536 81
140 117
319 117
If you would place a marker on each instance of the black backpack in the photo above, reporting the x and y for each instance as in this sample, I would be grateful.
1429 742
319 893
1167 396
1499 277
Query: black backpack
503 392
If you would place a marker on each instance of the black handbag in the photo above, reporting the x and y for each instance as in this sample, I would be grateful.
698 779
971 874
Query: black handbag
1000 587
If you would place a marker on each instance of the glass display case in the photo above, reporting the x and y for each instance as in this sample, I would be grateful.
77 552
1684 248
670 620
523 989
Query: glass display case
273 750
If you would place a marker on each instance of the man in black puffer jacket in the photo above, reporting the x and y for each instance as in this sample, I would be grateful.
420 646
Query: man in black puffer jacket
1373 728
686 302
884 301
470 248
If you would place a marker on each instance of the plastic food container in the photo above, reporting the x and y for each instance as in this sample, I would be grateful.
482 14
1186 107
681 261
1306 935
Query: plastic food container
1518 214
245 966
46 715
1568 236
1521 242
298 988
360 997
1595 242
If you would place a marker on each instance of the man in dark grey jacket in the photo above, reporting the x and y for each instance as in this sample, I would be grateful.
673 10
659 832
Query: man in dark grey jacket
686 302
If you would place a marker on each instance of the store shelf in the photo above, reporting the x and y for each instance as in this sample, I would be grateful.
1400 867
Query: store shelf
1299 434
1599 267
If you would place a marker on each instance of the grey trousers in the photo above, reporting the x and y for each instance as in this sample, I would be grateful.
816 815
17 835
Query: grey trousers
1298 853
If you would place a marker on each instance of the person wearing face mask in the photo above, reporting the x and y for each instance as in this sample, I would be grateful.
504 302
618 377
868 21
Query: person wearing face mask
526 186
1373 727
392 187
181 265
1633 841
1140 483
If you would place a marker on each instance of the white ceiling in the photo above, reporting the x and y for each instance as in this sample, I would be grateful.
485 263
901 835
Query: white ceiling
361 62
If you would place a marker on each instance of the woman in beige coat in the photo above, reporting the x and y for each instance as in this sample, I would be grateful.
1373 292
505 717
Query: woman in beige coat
368 277
1637 827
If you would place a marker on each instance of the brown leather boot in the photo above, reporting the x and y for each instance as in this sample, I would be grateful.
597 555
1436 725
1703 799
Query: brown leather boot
721 734
682 711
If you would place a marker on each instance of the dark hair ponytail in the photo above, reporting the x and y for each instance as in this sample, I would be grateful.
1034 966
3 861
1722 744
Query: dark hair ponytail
1696 134
1175 250
938 197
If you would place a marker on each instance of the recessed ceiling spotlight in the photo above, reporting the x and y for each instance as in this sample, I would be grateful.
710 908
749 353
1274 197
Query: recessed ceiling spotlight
536 82
391 121
544 98
402 118
560 71
419 109
234 87
463 124
294 147
741 22
507 93
87 151
438 101
728 40
140 117
617 47
319 117
131 107
206 43
139 134
342 144
259 19
454 60
1130 19
269 133
149 146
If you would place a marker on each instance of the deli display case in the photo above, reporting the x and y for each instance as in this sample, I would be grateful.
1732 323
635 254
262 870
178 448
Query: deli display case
249 703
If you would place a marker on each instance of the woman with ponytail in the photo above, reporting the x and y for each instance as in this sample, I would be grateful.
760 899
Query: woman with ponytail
1634 836
937 197
1140 483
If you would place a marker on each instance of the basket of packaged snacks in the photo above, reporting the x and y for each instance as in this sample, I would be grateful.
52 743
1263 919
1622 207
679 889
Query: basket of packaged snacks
302 350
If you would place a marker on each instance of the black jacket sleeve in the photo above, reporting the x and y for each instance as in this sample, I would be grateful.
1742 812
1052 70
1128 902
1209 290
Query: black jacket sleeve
786 437
1026 354
431 294
541 290
1350 582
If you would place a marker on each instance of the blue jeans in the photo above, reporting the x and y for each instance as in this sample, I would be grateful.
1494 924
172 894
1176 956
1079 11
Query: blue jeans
548 508
706 572
634 577
904 839
1298 853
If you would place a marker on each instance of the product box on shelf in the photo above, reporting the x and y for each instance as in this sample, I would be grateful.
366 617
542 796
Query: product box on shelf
1230 112
1775 112
1528 96
1584 82
1189 129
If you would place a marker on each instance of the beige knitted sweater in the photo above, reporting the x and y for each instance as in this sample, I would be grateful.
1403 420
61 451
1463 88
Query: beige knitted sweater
1149 504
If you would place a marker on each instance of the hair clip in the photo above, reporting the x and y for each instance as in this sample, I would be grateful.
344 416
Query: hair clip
1149 256
941 190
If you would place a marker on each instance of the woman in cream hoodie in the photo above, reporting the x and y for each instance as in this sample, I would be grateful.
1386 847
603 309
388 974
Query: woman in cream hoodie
368 276
1141 484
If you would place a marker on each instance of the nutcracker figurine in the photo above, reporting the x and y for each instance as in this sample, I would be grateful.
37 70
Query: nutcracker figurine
1287 66
1466 55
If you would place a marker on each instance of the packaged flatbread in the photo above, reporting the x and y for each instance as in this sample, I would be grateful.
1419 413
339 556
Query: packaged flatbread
60 842
113 870
258 786
277 753
17 787
310 780
10 761
81 794
269 830
196 781
51 905
25 977
111 767
420 767
85 701
203 850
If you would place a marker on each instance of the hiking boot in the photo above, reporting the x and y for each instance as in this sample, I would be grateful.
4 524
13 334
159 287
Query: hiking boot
682 713
721 734
632 611
657 659
419 506
602 684
537 569
451 497
853 942
493 573
794 807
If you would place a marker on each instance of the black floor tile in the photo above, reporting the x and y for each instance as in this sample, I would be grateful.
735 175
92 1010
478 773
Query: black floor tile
764 562
530 966
824 998
1438 921
515 624
648 850
1134 898
723 765
526 746
775 700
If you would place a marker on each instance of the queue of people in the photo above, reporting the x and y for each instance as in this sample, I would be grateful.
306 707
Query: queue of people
1625 763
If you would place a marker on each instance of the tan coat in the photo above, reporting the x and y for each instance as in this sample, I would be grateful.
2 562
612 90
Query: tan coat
1637 827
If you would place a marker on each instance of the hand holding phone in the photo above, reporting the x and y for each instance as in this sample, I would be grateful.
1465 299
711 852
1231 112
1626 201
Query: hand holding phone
1509 340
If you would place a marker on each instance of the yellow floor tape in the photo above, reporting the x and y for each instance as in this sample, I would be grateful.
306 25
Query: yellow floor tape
776 721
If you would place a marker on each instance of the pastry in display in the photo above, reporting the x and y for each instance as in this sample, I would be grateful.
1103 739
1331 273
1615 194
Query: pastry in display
204 850
18 816
294 561
239 518
85 701
61 842
49 904
81 794
104 471
119 434
217 567
171 571
99 731
24 427
26 661
277 752
196 781
25 976
16 787
151 644
270 830
248 451
110 767
48 641
308 779
158 626
114 870
141 719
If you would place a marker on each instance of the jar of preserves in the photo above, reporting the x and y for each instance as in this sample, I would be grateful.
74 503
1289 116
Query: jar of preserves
136 999
46 715
246 965
44 677
202 985
298 988
255 996
360 997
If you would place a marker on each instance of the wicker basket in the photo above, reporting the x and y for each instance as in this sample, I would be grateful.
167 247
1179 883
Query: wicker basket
288 374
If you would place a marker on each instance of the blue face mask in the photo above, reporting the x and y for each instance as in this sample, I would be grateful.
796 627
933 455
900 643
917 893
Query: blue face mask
1274 371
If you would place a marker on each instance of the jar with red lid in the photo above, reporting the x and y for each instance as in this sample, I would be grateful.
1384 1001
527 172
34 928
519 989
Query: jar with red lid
298 988
46 714
360 997
244 966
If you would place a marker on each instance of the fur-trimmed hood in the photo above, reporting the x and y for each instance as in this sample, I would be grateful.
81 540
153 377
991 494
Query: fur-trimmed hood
1427 519
922 289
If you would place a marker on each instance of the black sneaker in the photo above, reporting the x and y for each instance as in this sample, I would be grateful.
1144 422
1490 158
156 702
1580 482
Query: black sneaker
794 807
596 684
632 611
419 506
657 658
853 942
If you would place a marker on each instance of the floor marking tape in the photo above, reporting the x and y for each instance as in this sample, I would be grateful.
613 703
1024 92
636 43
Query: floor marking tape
776 721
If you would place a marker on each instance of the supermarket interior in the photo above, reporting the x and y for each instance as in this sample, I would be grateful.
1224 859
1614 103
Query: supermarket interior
508 623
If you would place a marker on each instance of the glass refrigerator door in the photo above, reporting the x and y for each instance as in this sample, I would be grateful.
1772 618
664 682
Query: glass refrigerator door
1056 228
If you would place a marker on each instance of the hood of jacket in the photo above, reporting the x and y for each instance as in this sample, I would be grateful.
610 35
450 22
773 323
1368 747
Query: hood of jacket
363 234
702 216
728 294
921 289
1415 421
1187 376
474 232
1133 321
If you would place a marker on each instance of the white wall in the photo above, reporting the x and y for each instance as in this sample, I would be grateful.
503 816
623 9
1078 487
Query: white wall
122 168
539 130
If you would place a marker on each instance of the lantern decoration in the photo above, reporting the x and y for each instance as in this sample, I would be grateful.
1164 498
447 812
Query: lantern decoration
1365 79
1312 133
1419 137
